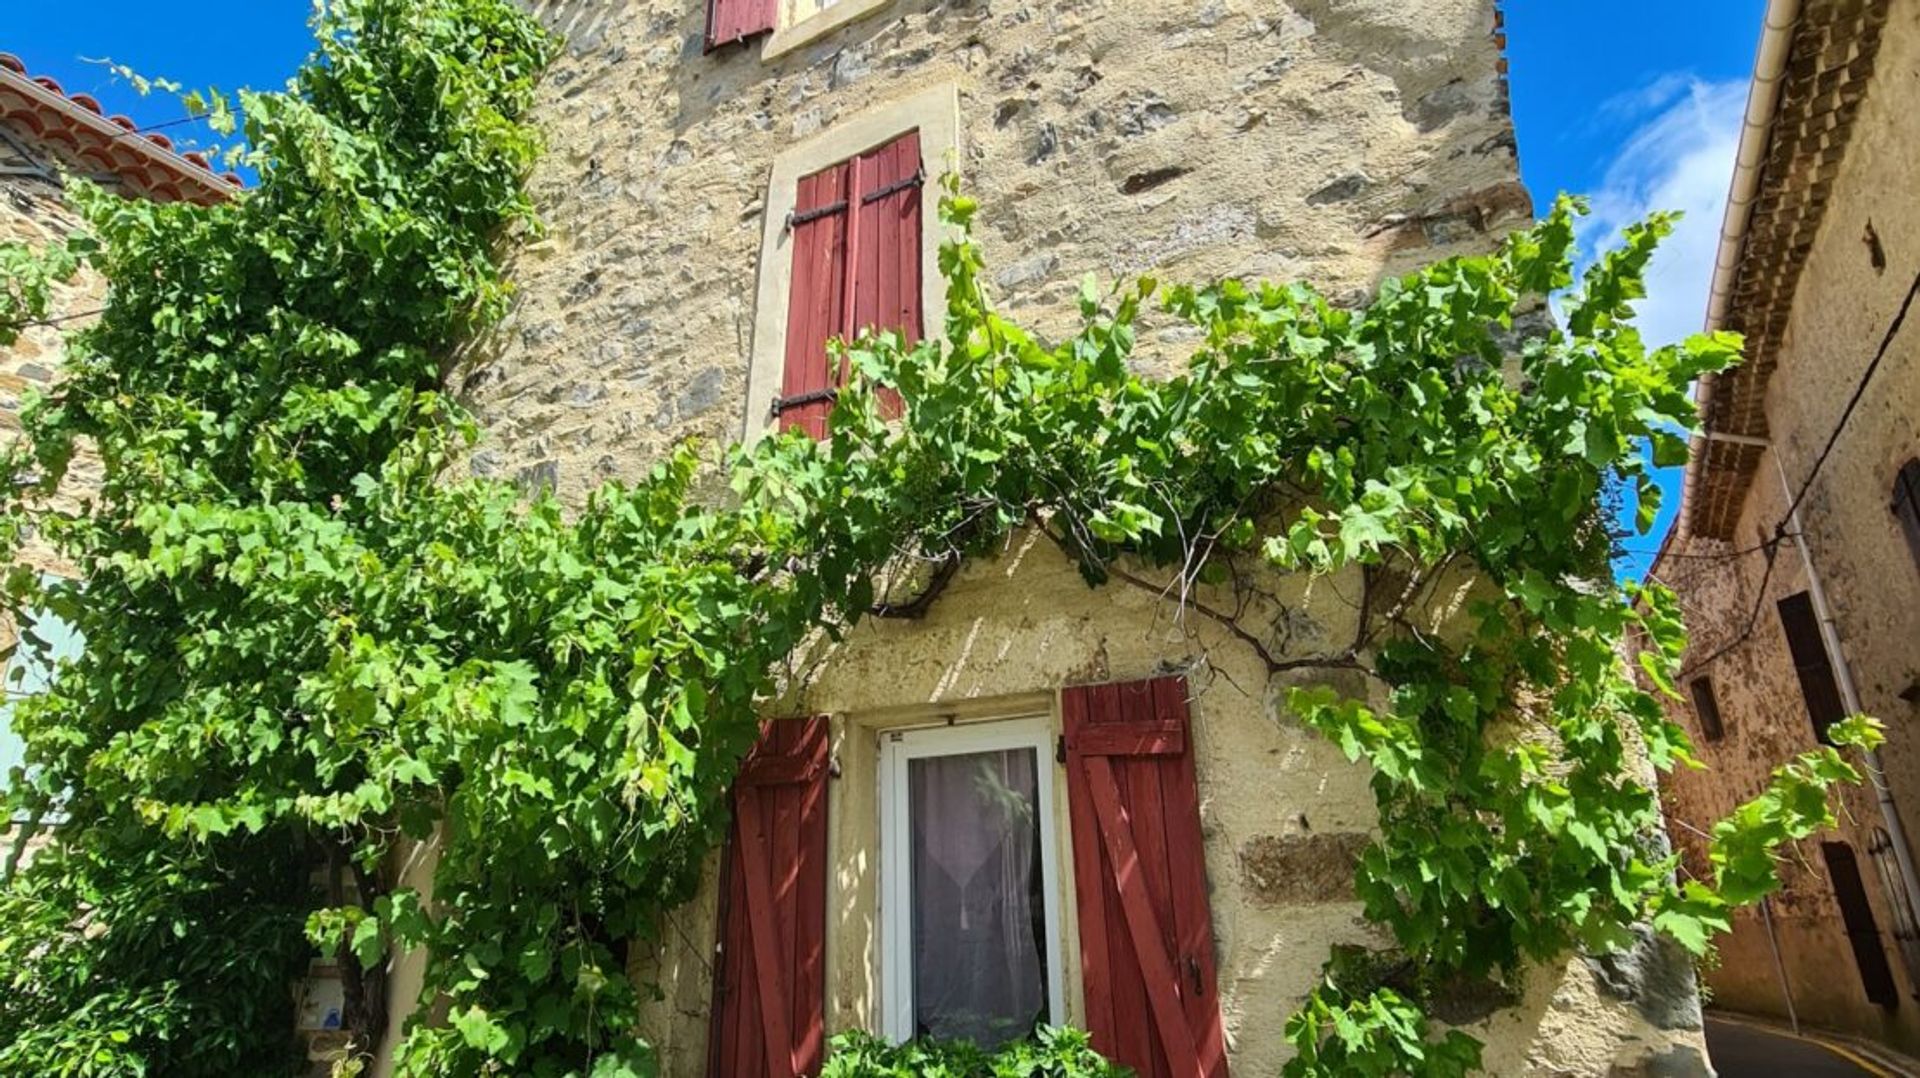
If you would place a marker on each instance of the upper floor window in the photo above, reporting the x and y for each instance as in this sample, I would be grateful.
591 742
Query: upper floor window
856 265
1811 664
851 245
729 21
790 23
1707 706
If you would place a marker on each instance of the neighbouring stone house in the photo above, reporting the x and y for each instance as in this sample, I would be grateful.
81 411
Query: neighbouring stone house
730 183
47 135
1799 618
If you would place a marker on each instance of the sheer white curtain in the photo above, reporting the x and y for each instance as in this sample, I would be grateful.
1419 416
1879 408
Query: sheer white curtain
979 953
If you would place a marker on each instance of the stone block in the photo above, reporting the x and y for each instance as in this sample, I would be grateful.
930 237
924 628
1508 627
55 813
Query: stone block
1285 870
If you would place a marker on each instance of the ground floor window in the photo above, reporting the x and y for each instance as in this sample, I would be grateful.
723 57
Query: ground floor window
1863 933
1906 932
969 882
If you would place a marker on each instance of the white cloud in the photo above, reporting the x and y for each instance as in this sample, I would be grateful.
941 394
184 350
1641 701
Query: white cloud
1632 106
1680 157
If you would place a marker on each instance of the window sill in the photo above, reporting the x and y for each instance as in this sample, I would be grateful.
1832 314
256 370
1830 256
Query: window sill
814 27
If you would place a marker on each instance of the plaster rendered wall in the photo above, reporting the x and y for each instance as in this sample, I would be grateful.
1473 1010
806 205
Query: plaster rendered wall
1282 812
1840 313
1332 142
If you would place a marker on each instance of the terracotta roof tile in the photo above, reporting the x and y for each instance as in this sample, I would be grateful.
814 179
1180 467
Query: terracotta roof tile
76 127
1829 66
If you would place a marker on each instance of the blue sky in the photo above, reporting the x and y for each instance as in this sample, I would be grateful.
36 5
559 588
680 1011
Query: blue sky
1634 103
1637 105
255 43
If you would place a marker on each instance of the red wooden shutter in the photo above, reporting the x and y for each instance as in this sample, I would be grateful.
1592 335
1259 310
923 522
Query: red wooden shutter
856 266
816 312
729 21
1146 938
885 289
768 1017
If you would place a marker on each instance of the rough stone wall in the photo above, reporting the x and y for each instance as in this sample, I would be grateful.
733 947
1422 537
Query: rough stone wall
1857 271
33 211
1330 142
1333 142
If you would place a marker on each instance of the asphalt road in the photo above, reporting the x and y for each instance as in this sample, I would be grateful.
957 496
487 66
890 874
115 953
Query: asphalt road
1743 1051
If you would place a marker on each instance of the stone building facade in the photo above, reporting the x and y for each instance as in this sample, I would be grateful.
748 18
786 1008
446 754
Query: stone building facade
47 135
690 163
1818 262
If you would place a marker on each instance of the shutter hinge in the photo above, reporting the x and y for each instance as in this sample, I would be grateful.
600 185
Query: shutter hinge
801 217
812 396
918 178
1060 749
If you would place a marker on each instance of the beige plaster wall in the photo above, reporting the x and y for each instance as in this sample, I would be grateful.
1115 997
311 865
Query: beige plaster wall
1281 810
1839 315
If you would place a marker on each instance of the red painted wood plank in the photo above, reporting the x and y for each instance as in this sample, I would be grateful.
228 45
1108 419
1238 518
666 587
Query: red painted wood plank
848 328
1186 860
778 771
763 932
888 257
1146 812
1089 886
1143 927
784 833
816 297
729 21
810 978
1133 739
1134 1027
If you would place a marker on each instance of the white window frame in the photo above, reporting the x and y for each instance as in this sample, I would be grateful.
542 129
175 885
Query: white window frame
897 749
935 113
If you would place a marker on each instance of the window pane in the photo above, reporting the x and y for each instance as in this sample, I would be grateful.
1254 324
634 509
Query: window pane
28 673
979 913
31 671
12 749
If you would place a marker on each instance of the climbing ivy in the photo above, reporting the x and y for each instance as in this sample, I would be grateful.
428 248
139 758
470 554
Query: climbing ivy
313 641
1050 1053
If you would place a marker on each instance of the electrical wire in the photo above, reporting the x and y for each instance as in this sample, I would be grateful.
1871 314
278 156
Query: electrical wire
1721 555
1780 528
1753 619
1859 390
